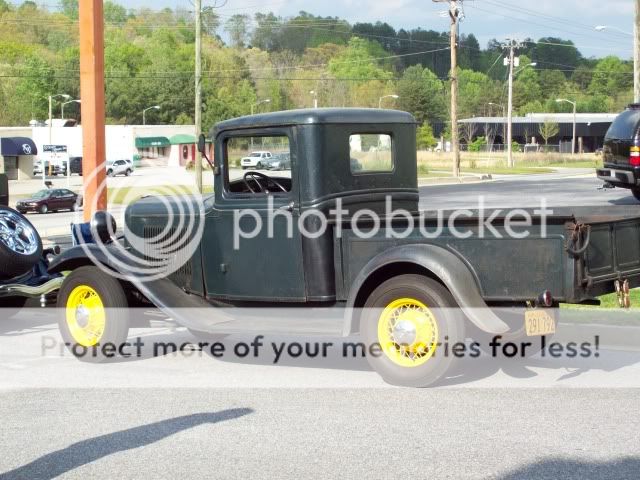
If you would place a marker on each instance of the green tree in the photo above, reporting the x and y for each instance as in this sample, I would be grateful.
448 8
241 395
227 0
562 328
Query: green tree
611 76
424 136
238 29
358 62
114 13
4 6
422 94
69 8
548 129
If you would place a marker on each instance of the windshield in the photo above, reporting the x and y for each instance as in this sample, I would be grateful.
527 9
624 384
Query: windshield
255 154
41 194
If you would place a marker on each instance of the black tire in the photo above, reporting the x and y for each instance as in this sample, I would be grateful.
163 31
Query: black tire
450 323
44 209
10 307
259 166
636 193
128 172
114 301
13 262
109 173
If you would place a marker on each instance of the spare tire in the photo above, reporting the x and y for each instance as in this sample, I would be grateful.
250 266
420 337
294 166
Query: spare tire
20 244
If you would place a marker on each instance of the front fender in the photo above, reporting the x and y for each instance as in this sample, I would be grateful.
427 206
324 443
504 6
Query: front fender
446 267
80 256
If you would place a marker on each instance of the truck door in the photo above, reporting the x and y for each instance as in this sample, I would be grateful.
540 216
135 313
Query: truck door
252 247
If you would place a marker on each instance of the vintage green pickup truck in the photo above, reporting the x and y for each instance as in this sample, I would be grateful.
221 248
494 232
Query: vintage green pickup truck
334 244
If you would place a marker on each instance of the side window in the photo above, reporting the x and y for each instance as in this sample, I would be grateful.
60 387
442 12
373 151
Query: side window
371 153
244 176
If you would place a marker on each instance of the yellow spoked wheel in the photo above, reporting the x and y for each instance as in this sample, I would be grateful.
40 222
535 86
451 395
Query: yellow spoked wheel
408 332
86 316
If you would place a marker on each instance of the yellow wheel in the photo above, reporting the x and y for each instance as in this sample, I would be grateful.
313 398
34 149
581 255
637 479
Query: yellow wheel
408 332
86 316
411 317
93 313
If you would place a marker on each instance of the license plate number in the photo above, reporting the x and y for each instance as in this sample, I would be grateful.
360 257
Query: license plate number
539 323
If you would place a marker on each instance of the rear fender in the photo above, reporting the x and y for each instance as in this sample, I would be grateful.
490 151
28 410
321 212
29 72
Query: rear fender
446 267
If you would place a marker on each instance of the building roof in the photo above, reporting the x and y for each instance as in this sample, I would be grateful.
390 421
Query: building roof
583 118
148 142
317 116
183 139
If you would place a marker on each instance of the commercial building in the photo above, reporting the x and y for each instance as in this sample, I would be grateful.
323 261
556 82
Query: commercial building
591 129
158 145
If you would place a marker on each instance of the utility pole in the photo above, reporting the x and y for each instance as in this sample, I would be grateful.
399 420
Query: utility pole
93 110
511 62
456 15
198 106
636 55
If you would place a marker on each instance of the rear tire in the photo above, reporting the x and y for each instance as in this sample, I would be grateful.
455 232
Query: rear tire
93 312
15 262
128 172
403 306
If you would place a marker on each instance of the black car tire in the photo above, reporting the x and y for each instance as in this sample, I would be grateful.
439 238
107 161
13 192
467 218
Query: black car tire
114 300
636 193
259 166
14 263
43 209
128 172
109 173
450 323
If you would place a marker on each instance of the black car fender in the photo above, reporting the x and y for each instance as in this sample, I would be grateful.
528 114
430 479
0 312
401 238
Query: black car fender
83 255
445 266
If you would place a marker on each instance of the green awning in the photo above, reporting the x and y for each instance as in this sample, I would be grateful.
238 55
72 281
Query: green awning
148 142
183 139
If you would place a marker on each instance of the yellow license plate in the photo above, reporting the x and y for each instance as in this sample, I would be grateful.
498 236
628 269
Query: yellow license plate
539 323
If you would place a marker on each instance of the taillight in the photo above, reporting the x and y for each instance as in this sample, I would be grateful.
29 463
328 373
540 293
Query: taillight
634 157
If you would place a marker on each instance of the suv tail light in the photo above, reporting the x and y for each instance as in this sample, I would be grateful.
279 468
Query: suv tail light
634 157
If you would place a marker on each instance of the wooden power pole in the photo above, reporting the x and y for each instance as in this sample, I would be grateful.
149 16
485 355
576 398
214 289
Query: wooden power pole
636 55
93 106
198 106
455 14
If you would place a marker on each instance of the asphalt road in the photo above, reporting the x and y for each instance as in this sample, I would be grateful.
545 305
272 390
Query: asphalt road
193 416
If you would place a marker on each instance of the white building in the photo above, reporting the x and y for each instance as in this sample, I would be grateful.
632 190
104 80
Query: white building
171 145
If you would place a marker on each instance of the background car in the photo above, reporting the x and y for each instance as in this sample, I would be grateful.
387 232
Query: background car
55 169
622 152
280 161
51 200
255 160
76 166
119 167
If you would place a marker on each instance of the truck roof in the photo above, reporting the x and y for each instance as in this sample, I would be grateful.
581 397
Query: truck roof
317 116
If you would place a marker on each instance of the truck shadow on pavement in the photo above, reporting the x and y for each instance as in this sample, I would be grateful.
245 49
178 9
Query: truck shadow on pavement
552 468
87 451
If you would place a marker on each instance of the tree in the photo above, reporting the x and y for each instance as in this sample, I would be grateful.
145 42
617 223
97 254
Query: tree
611 76
114 13
238 29
422 94
358 62
548 129
69 8
424 137
4 6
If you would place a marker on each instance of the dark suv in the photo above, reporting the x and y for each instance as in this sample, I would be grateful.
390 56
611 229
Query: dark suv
622 151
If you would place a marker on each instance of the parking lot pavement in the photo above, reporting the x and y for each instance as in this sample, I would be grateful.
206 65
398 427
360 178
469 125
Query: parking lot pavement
191 415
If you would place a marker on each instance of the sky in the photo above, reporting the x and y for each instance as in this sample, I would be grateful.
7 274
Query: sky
487 19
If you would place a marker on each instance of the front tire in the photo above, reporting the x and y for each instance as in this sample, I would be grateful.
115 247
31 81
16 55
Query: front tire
44 209
20 244
93 313
128 172
411 317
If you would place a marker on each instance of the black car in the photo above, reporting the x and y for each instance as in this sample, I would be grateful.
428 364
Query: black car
622 152
51 200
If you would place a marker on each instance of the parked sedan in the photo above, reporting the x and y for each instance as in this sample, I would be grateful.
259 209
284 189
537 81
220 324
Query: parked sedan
51 200
280 161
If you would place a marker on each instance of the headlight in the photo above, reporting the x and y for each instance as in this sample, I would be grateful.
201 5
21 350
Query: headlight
103 227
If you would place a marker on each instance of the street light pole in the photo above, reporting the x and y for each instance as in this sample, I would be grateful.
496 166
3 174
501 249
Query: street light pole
144 113
261 102
67 103
315 98
386 96
575 107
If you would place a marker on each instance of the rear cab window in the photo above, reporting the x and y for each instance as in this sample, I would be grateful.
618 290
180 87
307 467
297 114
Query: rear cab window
371 153
625 126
